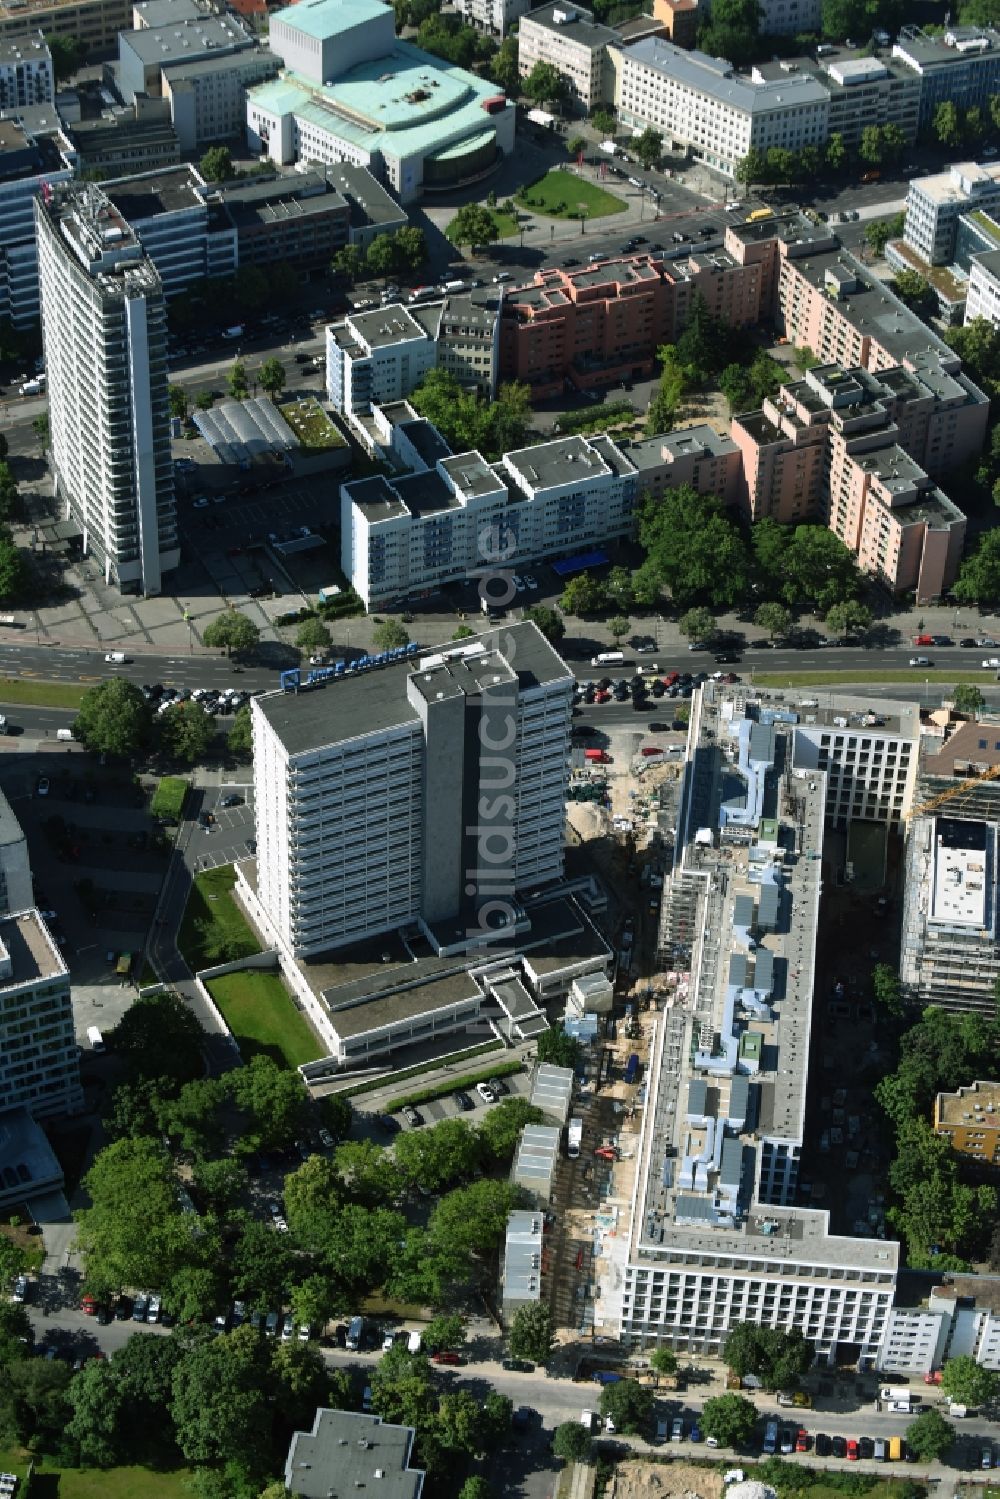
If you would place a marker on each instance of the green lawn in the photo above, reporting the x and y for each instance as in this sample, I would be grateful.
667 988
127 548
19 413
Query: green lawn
40 694
169 796
915 675
262 1016
560 194
52 1482
211 900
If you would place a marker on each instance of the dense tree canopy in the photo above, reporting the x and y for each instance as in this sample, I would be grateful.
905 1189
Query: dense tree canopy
778 1358
466 421
730 1419
696 549
160 1036
114 718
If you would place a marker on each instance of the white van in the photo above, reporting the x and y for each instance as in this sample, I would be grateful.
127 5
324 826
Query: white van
608 658
95 1038
115 658
64 735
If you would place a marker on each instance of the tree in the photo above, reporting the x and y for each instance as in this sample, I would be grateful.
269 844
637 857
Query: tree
271 377
134 1233
968 699
411 247
274 1098
389 635
576 145
946 124
367 1172
382 258
805 563
776 1357
546 85
557 1048
751 168
463 633
663 1361
698 550
219 1399
472 225
466 421
583 595
473 1219
434 1158
836 152
240 737
313 635
730 1419
501 1129
232 632
239 387
34 1404
571 1442
531 1333
870 149
669 395
177 396
11 570
618 627
978 345
503 67
915 292
67 55
186 732
475 1488
929 1436
444 1331
114 718
774 618
886 989
191 1119
313 1198
348 262
204 400
697 624
879 232
648 147
217 164
219 1184
159 1036
732 30
97 1424
849 618
548 620
628 1403
261 1267
978 580
966 1382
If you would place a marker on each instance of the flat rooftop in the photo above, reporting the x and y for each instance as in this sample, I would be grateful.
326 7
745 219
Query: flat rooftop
32 952
338 711
559 462
187 40
322 19
979 1104
962 873
715 77
369 202
156 192
578 25
384 326
347 1450
699 440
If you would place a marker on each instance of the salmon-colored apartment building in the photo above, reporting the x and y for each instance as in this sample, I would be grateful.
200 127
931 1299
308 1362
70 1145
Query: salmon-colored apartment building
604 323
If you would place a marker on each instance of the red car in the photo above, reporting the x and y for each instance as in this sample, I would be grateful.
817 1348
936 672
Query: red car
670 678
88 1305
923 640
802 1440
606 1153
602 696
852 1451
445 1356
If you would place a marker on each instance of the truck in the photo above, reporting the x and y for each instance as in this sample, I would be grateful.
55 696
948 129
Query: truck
871 176
596 756
236 331
589 1421
605 1376
574 1138
95 1038
355 1333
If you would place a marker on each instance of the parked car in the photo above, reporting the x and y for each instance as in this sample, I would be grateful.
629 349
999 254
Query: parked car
413 1119
852 1450
271 1324
464 1102
446 1356
838 1446
486 1092
153 1309
822 1444
139 1306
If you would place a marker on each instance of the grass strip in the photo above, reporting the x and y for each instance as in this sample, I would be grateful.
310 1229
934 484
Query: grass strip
262 1016
452 1084
372 1083
40 694
844 679
214 929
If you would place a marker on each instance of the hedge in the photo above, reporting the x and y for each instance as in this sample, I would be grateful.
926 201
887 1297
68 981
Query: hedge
425 1095
370 1084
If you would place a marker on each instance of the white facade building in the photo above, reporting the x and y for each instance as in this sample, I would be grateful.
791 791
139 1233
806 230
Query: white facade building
699 103
26 74
568 38
935 204
983 299
920 1339
376 356
494 17
370 816
714 1237
950 956
105 330
39 1059
401 535
180 232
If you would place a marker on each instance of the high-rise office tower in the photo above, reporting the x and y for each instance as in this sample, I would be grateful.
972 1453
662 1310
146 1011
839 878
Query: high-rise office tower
39 1057
104 328
426 792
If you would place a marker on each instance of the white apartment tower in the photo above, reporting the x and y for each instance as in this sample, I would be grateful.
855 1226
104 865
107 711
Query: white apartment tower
39 1058
104 329
421 793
